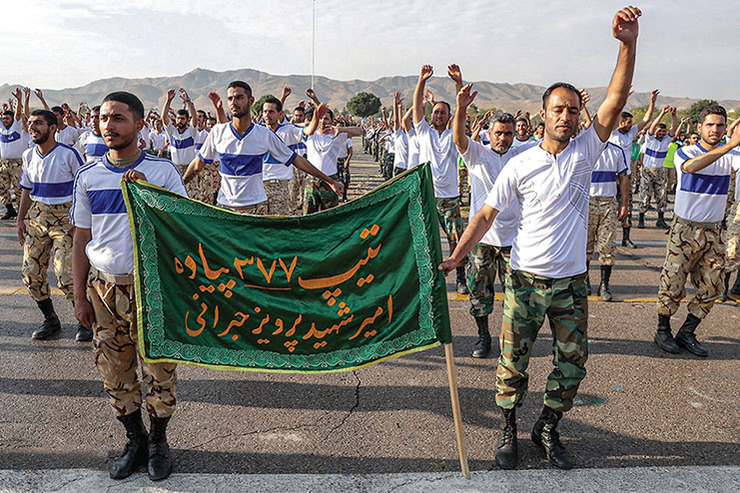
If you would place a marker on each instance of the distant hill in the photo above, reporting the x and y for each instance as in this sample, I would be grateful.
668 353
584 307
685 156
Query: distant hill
199 82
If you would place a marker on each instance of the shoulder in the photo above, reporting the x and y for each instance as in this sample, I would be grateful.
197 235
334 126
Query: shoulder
71 150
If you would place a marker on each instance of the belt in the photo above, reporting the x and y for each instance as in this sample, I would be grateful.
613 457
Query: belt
696 224
124 280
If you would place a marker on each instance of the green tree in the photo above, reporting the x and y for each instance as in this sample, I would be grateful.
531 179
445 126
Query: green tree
257 106
695 109
364 104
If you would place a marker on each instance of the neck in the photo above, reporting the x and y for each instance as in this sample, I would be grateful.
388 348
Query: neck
440 128
128 151
62 126
242 123
47 146
706 145
274 126
552 146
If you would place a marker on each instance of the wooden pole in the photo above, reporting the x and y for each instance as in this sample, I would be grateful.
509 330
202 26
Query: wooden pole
450 358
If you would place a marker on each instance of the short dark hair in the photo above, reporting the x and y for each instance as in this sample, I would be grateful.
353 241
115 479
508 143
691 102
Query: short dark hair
49 117
626 114
57 109
242 84
183 113
95 108
299 108
559 85
662 125
211 119
275 101
502 118
7 112
522 119
449 108
201 112
134 104
713 109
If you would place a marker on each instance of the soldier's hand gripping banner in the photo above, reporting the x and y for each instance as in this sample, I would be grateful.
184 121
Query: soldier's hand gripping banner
333 291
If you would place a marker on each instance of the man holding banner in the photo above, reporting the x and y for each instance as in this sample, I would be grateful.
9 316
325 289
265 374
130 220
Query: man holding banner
550 182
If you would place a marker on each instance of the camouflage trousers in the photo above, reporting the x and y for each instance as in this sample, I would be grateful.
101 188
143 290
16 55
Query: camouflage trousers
463 187
527 301
10 177
635 173
484 262
602 225
698 250
652 183
386 167
261 209
298 185
278 197
195 185
116 349
733 239
48 238
319 196
670 179
448 214
343 175
210 183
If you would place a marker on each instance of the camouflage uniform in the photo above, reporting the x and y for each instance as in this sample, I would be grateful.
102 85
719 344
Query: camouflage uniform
298 188
463 187
652 182
733 239
195 185
47 235
319 196
448 214
115 345
485 261
211 183
602 225
527 300
696 249
343 175
10 177
278 197
261 209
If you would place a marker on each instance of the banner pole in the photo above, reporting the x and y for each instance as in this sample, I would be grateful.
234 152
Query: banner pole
450 358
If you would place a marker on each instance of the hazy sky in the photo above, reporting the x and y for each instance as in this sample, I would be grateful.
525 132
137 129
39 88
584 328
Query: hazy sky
686 48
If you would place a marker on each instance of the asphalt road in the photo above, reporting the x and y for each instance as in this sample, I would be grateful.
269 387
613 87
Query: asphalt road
637 408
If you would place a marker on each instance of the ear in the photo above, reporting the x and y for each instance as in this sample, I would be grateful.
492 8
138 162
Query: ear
542 114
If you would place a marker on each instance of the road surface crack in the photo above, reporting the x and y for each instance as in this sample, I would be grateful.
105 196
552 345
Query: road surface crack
352 409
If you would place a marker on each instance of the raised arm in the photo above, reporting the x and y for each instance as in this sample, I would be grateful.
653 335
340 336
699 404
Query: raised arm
406 120
649 113
683 122
625 29
384 118
397 108
674 123
654 126
464 99
585 98
478 127
219 105
40 95
26 106
166 108
18 105
456 75
191 107
284 95
318 115
700 162
312 96
424 75
731 128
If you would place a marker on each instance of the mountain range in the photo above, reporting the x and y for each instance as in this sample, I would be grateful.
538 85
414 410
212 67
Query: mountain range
199 82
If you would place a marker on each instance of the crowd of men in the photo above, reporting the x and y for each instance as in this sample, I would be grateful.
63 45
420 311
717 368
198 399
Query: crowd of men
542 200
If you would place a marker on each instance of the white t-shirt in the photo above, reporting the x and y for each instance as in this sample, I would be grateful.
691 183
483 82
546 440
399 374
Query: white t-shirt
241 158
157 141
49 178
272 169
553 195
655 151
441 152
200 138
98 205
182 144
322 151
67 136
92 146
344 150
400 149
517 143
624 141
702 196
413 159
12 142
484 166
610 163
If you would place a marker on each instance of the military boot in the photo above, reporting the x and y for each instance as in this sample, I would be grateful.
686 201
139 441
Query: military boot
588 279
10 212
545 436
84 334
686 337
660 223
736 287
641 220
135 454
604 291
462 282
51 323
482 348
626 238
506 450
160 465
726 290
663 337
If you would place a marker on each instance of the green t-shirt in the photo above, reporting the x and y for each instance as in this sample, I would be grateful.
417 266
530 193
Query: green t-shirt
672 148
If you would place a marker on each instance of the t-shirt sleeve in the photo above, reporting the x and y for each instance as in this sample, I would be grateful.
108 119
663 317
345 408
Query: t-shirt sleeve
174 182
207 152
25 182
277 148
80 213
591 144
735 157
422 128
170 129
679 158
504 190
75 163
473 153
621 160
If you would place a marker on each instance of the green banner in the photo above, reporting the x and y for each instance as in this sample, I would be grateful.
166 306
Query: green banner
332 291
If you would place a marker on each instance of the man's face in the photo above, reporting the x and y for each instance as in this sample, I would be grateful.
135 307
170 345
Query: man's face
440 116
693 138
522 129
240 103
299 116
7 120
561 115
210 123
39 130
201 120
539 131
501 136
660 133
158 125
625 124
181 121
118 126
95 121
60 118
326 124
713 128
271 114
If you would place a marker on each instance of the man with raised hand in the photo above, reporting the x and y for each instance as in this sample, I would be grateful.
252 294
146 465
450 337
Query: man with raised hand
695 241
550 183
12 146
652 179
490 256
240 146
182 135
436 146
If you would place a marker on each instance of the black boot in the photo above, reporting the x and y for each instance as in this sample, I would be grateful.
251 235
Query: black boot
588 279
641 220
84 334
506 449
483 346
51 323
726 291
626 238
135 454
736 287
10 212
660 223
545 436
160 465
462 282
604 291
663 337
687 339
